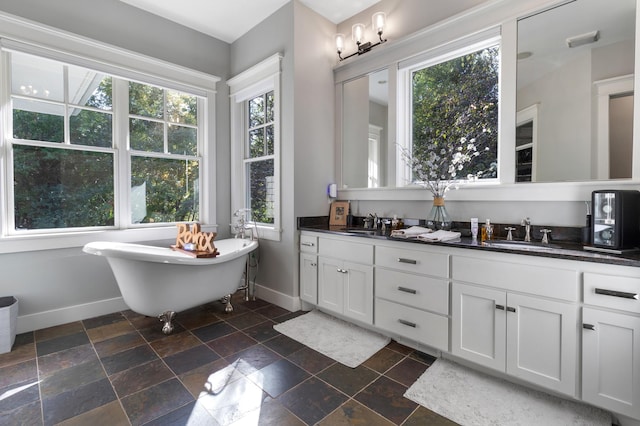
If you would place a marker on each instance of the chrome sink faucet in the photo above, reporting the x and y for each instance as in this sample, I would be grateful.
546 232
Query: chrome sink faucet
545 238
371 221
509 229
526 222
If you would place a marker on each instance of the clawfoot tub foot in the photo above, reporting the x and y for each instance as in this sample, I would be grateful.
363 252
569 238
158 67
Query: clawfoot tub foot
167 317
227 301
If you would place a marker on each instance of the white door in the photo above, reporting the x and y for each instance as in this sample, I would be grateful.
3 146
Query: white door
542 342
358 297
330 284
611 361
309 278
479 325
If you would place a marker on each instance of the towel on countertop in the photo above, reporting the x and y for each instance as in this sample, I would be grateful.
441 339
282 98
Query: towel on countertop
440 235
413 231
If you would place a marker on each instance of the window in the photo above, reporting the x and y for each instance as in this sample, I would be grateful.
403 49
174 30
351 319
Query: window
255 146
453 111
71 167
163 139
259 158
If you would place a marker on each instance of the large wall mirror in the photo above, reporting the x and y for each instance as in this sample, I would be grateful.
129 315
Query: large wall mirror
575 92
365 131
574 104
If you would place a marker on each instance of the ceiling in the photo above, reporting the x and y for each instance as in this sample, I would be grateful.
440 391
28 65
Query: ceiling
227 20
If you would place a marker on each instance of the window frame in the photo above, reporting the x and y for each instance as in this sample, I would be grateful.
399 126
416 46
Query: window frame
404 115
258 80
118 63
120 141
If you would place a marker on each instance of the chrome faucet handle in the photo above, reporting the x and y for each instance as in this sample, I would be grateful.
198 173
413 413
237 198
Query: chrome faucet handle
526 222
509 234
545 238
368 221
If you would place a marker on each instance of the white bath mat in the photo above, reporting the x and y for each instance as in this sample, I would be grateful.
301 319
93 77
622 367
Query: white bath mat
345 342
469 397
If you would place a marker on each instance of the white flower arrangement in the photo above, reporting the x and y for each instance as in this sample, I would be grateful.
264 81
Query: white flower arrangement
439 170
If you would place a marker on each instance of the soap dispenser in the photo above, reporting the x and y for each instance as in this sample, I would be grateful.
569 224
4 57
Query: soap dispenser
487 231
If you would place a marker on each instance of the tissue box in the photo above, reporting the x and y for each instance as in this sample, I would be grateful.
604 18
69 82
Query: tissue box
8 317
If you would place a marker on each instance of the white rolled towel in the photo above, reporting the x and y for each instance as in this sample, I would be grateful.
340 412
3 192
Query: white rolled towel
440 235
413 231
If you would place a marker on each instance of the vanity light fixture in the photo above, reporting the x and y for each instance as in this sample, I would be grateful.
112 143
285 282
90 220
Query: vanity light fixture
357 34
579 40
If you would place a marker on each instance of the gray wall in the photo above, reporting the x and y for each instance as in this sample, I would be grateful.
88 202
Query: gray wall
117 23
307 147
47 282
273 35
405 17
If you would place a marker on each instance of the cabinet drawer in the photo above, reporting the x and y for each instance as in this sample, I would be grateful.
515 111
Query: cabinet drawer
535 279
417 291
612 291
417 261
420 326
346 250
308 244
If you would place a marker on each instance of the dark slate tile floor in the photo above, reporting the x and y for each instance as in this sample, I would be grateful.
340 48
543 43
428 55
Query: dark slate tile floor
215 369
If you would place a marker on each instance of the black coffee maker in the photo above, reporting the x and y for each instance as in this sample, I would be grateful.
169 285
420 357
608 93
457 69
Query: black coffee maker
616 219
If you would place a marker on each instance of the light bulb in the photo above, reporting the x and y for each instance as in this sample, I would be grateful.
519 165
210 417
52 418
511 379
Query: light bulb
357 33
340 42
378 20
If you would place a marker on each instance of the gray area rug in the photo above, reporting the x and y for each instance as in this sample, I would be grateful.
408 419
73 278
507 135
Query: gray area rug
469 397
342 341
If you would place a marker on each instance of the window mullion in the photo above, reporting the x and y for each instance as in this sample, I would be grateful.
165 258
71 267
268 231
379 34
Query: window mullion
165 126
67 101
6 173
122 169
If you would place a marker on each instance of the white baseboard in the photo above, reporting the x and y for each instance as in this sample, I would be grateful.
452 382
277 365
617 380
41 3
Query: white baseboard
40 320
68 314
285 301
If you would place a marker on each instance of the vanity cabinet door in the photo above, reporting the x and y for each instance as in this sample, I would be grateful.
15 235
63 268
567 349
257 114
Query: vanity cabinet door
542 342
309 278
330 284
611 361
526 337
346 288
478 331
358 292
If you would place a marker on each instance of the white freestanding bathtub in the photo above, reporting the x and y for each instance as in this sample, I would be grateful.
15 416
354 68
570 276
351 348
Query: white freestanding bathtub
158 281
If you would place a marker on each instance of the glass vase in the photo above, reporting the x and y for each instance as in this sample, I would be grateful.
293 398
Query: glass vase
438 216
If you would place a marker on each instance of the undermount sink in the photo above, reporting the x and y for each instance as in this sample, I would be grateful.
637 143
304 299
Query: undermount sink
520 245
361 231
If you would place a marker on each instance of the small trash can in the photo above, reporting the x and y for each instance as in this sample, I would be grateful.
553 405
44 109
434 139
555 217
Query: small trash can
8 317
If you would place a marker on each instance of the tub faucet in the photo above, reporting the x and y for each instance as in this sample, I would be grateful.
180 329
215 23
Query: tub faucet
526 222
241 226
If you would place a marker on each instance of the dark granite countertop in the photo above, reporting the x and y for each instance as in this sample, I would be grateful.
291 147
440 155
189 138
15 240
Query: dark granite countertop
557 249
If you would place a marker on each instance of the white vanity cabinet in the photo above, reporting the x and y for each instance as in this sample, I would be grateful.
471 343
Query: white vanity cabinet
611 340
412 293
309 268
513 315
345 278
